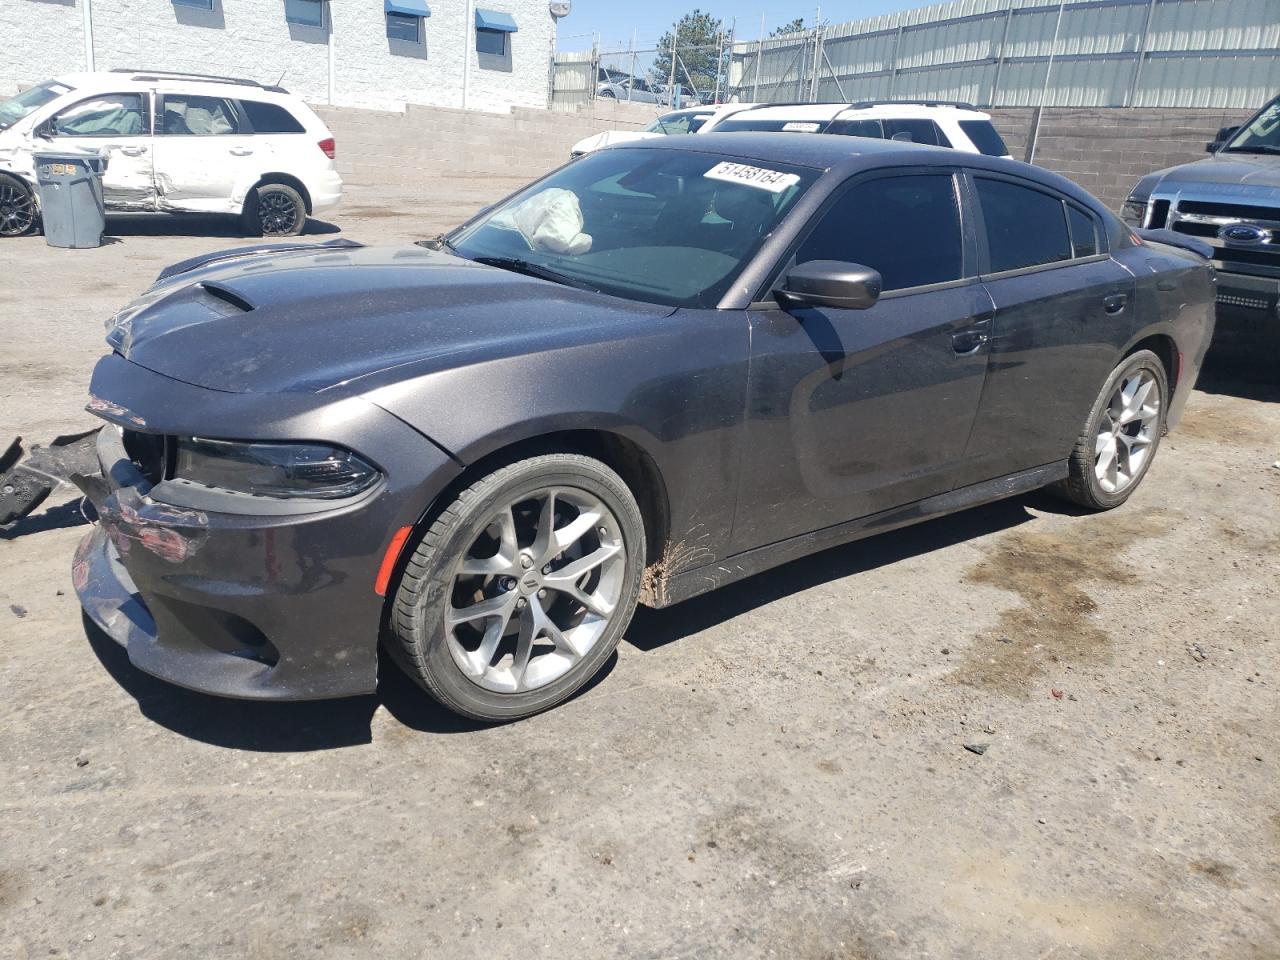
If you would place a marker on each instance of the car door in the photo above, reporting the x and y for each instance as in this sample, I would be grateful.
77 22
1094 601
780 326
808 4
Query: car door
1063 308
118 124
202 152
851 412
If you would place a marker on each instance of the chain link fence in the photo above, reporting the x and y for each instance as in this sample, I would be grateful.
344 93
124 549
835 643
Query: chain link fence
666 78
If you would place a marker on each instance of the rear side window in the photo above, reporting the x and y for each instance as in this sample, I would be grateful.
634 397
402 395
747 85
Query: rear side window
857 128
908 228
984 137
915 130
1025 228
1084 232
270 118
188 116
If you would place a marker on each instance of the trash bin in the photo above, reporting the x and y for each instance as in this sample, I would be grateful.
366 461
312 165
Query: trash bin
71 197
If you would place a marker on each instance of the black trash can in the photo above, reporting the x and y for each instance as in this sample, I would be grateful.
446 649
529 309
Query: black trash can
71 198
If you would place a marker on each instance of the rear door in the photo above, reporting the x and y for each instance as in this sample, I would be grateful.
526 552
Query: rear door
118 124
851 412
1063 308
202 151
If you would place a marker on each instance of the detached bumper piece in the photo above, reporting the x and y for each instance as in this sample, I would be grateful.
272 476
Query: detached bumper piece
24 484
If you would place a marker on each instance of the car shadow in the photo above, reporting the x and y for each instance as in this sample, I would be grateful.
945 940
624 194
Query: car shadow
60 517
652 629
192 225
292 727
1244 379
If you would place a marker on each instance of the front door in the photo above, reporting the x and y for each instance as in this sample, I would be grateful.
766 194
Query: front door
201 154
120 125
851 412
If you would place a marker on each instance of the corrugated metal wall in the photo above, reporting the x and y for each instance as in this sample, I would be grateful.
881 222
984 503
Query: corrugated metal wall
1116 53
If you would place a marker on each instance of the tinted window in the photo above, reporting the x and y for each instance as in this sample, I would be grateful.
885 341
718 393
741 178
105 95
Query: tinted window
270 118
908 228
189 116
984 137
110 115
734 124
915 130
1025 228
857 128
1084 232
402 26
492 41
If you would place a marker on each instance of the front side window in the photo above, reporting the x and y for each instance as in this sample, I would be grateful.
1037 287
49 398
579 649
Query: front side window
190 116
1261 134
402 26
984 137
28 101
108 115
307 13
677 123
1025 227
270 118
491 41
908 228
660 226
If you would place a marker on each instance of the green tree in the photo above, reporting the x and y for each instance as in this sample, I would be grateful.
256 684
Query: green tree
698 42
795 26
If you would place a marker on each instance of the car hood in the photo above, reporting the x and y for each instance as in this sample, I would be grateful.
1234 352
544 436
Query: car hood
609 137
311 320
1239 175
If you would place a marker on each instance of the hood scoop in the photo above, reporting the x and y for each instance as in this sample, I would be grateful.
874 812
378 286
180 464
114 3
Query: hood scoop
223 297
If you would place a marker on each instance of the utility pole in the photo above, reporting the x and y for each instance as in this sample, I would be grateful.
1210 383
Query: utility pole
755 82
633 64
87 19
1044 90
671 87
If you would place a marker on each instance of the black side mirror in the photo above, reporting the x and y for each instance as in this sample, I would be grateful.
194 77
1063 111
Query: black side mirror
44 130
1224 134
830 283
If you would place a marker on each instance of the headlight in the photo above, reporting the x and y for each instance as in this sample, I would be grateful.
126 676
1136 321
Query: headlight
273 469
1134 212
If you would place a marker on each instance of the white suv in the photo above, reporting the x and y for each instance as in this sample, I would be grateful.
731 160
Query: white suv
935 122
176 143
678 122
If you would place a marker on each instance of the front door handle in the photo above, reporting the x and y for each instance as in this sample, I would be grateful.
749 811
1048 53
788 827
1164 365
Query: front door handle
968 342
1115 303
240 151
133 151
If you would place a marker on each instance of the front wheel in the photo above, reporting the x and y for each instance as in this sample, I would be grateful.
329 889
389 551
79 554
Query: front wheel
1120 437
273 210
521 588
17 207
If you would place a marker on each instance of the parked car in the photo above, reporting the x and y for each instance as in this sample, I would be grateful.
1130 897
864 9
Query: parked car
662 368
1231 201
176 143
931 122
621 86
676 123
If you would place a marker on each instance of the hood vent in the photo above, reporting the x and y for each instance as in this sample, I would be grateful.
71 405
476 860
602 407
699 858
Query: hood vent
227 296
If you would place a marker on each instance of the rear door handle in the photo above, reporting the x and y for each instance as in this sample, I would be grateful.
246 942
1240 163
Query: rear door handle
240 151
1115 303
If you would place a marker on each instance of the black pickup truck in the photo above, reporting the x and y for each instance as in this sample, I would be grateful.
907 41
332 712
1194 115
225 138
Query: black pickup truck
1231 201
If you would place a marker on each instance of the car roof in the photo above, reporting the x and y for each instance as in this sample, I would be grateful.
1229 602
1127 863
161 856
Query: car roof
829 111
844 156
146 79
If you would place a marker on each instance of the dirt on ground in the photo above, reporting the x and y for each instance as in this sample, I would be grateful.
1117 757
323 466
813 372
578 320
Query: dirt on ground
1018 732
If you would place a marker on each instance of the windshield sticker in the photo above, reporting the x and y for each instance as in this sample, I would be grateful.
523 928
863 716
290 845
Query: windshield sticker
797 126
775 181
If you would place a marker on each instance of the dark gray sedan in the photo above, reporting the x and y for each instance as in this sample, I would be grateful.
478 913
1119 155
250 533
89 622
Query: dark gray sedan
664 367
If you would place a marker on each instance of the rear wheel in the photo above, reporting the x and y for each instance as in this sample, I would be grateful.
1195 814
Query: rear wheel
521 588
1119 440
17 207
274 210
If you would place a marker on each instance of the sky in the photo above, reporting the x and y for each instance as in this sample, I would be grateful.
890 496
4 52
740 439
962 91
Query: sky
614 21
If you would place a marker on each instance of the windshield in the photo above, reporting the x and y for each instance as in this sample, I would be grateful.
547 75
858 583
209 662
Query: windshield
1261 134
675 123
661 226
14 109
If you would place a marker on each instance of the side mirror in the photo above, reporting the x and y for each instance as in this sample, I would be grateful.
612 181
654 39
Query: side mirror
1224 134
830 283
44 130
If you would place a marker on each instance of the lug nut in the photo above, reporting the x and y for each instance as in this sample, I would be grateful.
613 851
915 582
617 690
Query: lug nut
603 532
526 561
546 569
508 583
542 594
520 604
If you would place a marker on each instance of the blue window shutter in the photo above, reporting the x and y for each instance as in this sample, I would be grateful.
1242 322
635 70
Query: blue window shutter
494 20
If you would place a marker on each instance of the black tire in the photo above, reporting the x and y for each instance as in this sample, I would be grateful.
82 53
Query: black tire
608 95
273 210
418 640
18 214
1083 485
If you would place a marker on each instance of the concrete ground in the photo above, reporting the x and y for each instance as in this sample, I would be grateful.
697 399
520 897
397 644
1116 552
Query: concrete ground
778 769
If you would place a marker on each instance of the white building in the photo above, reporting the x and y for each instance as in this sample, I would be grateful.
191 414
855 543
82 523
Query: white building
474 54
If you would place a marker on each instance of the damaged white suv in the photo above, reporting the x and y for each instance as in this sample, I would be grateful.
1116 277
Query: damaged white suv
175 143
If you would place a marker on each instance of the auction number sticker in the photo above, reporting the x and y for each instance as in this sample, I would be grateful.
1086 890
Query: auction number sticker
775 181
801 126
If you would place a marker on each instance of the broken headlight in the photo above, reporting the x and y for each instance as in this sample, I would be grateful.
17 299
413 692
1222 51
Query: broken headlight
281 470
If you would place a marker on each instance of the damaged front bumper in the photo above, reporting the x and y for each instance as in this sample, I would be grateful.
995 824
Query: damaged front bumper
232 605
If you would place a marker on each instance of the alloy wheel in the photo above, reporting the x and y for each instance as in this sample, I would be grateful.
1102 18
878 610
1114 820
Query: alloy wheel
536 590
277 214
1127 432
17 210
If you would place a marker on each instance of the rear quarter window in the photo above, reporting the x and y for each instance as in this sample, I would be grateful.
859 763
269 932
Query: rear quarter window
1025 227
984 137
270 118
